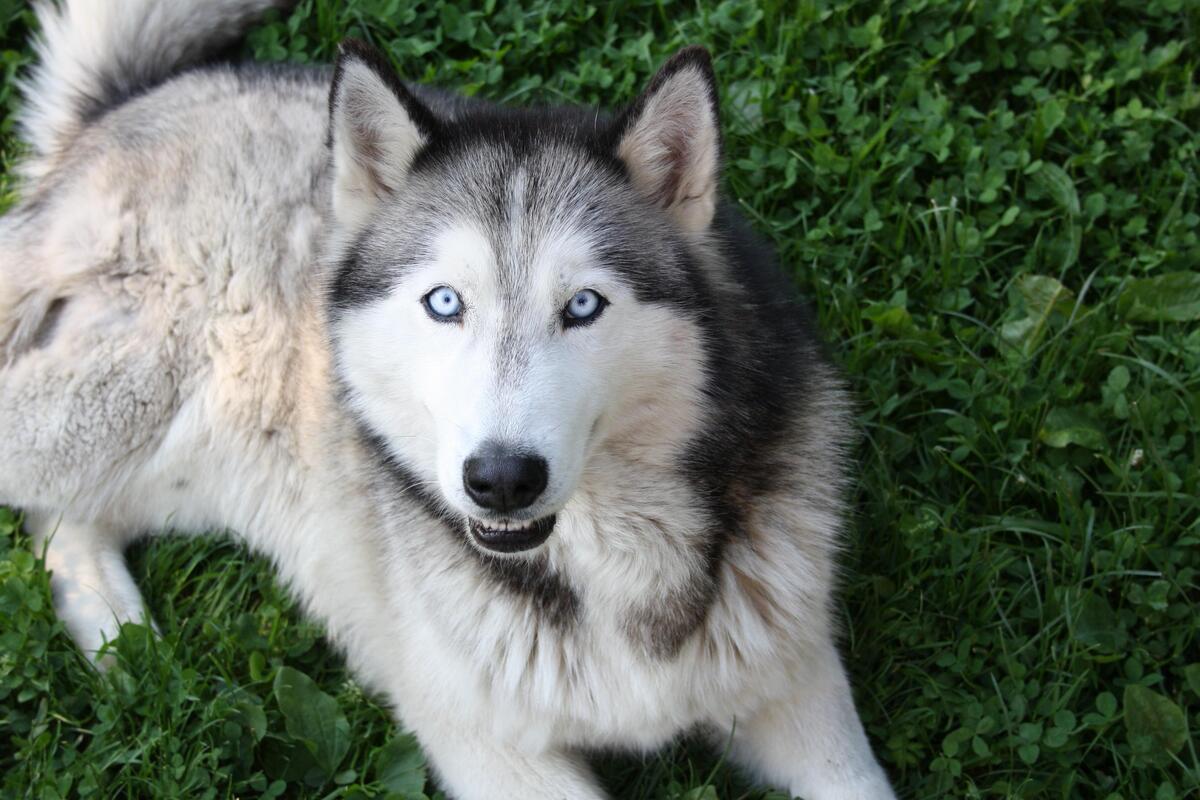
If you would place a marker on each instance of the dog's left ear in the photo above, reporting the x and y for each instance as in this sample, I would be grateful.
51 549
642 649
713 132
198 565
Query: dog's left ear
376 128
670 139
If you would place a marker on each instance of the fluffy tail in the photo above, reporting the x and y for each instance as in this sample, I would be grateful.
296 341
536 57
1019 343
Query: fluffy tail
92 54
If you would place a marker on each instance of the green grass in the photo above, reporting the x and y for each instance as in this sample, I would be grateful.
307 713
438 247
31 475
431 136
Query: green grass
994 207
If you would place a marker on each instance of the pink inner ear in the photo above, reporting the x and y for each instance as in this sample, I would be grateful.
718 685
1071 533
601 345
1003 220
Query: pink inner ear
672 148
675 156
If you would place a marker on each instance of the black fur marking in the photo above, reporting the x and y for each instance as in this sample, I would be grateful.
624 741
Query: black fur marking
552 597
409 484
353 286
663 629
761 345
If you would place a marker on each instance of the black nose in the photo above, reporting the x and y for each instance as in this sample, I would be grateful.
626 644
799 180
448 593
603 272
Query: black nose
500 480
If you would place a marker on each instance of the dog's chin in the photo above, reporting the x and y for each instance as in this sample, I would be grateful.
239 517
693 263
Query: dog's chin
509 537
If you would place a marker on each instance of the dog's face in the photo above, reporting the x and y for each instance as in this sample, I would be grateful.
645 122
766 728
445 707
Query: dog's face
507 306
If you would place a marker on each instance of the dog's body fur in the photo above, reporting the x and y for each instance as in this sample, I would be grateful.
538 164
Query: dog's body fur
203 326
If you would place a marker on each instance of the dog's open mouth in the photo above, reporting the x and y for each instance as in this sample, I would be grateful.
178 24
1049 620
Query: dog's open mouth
511 536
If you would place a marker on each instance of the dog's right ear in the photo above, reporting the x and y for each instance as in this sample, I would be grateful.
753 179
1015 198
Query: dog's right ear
376 128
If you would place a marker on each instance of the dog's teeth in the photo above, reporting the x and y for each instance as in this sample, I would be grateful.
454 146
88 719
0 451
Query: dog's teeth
504 526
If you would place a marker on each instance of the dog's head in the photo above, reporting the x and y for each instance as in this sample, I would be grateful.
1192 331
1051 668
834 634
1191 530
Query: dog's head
516 292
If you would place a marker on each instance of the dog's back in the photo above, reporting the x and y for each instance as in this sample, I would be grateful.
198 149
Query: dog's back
159 299
130 282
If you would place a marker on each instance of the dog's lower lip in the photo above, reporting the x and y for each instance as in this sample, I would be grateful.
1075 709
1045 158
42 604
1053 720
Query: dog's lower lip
511 537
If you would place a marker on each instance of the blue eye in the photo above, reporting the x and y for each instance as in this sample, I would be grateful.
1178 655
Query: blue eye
443 304
583 308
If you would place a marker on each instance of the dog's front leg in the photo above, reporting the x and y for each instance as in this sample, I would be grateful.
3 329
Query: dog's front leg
472 766
94 593
811 742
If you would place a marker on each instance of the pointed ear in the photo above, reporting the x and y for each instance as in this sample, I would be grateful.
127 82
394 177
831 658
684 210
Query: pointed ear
376 128
670 139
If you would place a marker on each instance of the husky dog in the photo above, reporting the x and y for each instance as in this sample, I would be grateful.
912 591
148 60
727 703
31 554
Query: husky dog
516 404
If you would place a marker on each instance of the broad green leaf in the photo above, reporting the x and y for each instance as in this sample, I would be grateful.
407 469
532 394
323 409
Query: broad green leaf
1173 297
1050 116
400 766
1097 624
1192 674
313 718
1043 296
1019 331
1156 726
1064 426
1058 184
286 759
250 714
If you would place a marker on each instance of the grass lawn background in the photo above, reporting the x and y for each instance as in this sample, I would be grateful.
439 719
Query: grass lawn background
994 207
